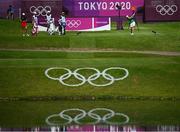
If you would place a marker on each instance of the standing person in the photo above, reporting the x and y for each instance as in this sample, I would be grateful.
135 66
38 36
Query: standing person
24 24
10 12
51 29
132 23
35 24
62 24
48 19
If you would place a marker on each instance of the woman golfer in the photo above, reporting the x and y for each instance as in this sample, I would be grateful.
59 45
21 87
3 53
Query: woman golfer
132 22
24 25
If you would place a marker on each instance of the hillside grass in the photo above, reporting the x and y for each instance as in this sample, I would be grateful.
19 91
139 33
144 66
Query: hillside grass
166 39
149 76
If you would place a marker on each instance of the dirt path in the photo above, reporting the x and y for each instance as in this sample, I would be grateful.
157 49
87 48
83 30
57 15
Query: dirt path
91 50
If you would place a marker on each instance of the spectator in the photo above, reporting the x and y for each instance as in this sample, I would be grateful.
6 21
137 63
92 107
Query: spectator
48 19
51 28
35 24
62 24
10 12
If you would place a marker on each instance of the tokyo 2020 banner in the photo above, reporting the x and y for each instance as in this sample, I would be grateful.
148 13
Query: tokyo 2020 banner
96 8
162 10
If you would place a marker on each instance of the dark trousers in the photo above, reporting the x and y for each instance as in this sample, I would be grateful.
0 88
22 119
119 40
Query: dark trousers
62 30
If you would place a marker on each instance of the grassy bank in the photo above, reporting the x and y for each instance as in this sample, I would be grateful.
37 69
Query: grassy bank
149 76
166 39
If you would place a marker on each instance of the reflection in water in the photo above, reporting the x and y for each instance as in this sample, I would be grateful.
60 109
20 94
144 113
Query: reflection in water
29 114
96 128
81 114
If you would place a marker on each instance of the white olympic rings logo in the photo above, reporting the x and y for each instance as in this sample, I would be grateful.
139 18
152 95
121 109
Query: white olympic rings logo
167 9
73 23
92 114
89 79
40 10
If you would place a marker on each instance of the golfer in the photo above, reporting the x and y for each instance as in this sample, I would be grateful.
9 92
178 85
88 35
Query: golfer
132 23
24 25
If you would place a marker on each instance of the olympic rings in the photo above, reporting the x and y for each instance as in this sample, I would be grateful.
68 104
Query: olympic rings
83 114
167 9
119 123
53 68
98 118
52 116
76 118
40 10
119 68
73 23
89 79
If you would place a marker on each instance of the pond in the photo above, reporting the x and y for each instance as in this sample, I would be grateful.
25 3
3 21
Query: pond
96 128
114 115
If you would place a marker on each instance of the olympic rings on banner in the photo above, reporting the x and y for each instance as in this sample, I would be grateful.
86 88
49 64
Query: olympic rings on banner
83 114
40 10
167 9
111 79
73 23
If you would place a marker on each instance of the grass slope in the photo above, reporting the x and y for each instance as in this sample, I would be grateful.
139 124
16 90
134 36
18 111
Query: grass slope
167 38
150 76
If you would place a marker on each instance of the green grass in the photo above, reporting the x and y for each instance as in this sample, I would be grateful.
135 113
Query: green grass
150 76
167 38
67 55
148 113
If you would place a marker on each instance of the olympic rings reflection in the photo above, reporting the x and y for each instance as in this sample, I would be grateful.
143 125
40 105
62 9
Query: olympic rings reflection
65 115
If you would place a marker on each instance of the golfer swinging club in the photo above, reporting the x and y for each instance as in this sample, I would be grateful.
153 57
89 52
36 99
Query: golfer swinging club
132 22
